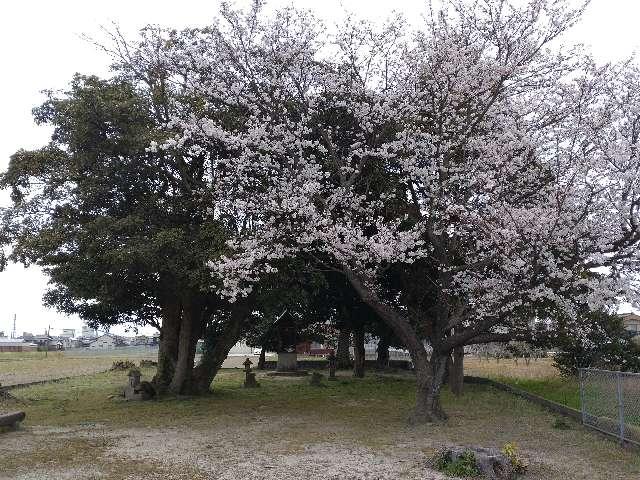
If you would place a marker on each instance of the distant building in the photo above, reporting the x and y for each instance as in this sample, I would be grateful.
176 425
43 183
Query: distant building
40 340
105 342
68 332
631 323
82 342
13 345
89 332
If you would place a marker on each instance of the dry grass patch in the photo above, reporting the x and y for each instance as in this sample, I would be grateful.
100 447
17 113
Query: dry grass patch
26 367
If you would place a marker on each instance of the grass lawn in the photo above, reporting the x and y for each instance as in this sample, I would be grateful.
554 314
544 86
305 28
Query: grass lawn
539 377
286 429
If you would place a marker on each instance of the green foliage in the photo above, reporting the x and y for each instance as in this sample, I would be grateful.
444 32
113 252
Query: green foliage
601 342
464 467
115 226
561 424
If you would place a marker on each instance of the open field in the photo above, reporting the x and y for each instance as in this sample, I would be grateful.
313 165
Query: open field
26 367
539 377
349 429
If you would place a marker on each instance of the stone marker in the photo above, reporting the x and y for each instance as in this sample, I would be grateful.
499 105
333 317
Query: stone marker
316 379
250 377
332 366
492 463
137 390
12 419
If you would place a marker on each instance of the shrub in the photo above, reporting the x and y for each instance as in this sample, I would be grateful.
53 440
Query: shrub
148 363
560 424
122 365
465 466
602 343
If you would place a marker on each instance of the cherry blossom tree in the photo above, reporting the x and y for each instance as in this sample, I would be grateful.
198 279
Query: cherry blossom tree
474 155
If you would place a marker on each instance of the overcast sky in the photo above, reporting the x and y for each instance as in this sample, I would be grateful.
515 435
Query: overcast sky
41 48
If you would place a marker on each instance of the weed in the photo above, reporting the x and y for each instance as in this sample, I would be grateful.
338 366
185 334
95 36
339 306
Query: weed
519 465
464 466
561 424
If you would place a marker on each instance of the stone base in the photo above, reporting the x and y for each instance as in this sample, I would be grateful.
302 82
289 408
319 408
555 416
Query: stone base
142 391
250 381
287 361
492 463
294 373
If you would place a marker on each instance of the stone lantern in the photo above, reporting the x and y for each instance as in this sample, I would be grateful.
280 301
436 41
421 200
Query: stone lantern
249 376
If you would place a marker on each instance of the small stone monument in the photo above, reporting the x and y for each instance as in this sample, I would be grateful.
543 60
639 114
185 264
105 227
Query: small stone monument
131 391
316 379
332 366
137 390
250 377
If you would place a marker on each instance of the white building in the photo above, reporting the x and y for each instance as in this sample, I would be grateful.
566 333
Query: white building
88 331
103 342
241 349
68 332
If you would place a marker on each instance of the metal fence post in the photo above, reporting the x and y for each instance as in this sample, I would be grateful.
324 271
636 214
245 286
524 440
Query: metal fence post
620 405
583 407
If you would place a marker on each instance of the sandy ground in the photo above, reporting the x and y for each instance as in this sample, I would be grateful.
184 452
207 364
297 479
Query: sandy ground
222 454
261 449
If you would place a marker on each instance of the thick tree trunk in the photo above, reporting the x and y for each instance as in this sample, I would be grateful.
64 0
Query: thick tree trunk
382 358
190 331
262 358
168 348
343 359
358 352
216 348
429 383
429 375
456 371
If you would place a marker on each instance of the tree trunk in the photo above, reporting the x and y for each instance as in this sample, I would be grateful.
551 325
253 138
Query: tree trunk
429 382
343 359
190 331
382 358
358 352
262 358
168 347
456 372
216 348
428 385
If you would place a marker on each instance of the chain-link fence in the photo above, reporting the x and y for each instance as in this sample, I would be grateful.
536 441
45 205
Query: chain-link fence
610 403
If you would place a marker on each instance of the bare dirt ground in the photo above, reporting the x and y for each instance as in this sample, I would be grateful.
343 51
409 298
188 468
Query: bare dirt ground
349 429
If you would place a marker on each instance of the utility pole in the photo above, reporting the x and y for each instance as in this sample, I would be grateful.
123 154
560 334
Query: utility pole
46 343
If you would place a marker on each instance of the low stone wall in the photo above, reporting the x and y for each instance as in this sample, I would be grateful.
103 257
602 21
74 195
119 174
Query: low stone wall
543 402
323 364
